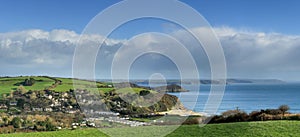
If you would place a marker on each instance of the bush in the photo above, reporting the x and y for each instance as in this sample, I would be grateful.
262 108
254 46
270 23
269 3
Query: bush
255 116
217 119
16 122
283 109
294 117
6 130
192 121
144 92
29 82
50 127
239 117
273 111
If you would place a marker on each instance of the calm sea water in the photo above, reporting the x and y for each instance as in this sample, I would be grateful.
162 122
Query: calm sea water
247 97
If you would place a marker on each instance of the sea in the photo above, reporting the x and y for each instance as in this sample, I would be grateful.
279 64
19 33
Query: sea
245 97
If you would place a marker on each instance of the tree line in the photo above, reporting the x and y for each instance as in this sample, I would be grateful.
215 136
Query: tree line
238 115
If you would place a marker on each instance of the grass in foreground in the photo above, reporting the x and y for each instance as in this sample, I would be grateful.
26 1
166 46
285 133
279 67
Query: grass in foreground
63 133
242 129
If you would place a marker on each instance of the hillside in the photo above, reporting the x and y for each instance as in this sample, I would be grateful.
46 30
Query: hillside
8 84
43 92
170 88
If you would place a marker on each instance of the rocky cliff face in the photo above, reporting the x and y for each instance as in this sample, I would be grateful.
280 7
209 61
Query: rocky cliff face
170 88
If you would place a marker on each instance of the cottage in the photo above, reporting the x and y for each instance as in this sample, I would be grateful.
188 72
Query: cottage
110 86
13 103
91 124
48 109
37 109
3 107
56 93
50 97
65 95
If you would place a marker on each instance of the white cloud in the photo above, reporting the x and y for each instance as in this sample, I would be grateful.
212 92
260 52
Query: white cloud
41 51
248 54
260 54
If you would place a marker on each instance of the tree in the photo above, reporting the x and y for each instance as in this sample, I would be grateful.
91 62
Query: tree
32 96
49 124
21 103
11 95
29 82
284 108
5 120
73 102
4 96
21 89
231 113
144 92
16 122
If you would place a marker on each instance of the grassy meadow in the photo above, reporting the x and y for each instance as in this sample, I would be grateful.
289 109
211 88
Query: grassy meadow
241 129
12 83
8 84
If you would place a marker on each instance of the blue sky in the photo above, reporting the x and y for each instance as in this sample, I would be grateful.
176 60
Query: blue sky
260 15
260 38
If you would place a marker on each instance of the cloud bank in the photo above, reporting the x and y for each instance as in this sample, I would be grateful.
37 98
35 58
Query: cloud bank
248 54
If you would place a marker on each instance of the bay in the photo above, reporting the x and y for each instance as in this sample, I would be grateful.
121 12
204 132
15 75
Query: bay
246 97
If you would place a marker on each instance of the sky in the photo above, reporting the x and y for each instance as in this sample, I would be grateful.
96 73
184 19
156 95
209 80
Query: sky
260 39
276 16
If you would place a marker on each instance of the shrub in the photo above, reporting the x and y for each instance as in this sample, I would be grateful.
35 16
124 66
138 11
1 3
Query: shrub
273 111
192 120
6 130
16 122
284 108
144 92
294 117
29 82
255 116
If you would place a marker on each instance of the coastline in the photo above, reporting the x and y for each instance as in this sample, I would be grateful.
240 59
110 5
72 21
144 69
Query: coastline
181 112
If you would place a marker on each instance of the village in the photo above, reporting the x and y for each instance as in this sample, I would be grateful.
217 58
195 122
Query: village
48 104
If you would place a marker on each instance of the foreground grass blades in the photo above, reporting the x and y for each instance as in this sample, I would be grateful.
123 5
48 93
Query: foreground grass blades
242 129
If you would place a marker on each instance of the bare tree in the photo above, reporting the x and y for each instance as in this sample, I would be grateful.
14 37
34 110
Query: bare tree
283 109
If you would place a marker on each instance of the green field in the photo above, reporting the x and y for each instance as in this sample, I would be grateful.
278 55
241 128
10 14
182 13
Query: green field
12 83
67 133
8 84
132 90
242 129
68 84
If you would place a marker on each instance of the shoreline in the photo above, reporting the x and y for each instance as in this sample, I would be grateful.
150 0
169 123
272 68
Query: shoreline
181 112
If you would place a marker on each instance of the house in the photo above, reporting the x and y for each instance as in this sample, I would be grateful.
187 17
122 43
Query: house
56 93
37 109
110 86
75 124
50 97
74 127
72 111
48 109
3 107
13 103
27 107
91 124
83 125
65 95
59 128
